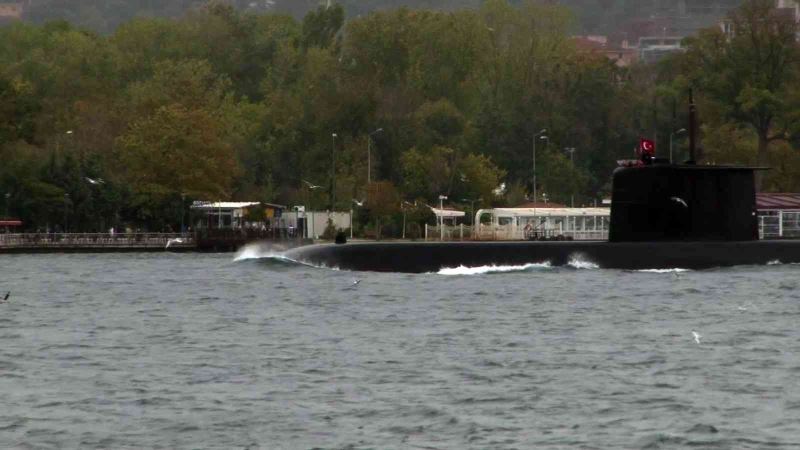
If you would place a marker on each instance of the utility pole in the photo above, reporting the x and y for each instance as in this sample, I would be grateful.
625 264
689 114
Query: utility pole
571 151
538 135
333 171
441 216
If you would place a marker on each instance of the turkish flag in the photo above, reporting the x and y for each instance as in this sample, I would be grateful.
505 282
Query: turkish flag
647 147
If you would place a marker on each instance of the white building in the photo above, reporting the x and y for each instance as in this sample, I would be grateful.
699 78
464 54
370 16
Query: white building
542 223
312 224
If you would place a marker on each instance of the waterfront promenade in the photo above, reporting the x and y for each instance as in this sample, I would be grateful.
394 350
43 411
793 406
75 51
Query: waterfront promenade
94 242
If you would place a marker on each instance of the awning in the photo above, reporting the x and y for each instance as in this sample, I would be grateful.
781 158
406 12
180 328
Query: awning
10 223
447 213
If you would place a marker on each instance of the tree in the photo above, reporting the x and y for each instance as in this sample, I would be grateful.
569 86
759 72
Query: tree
321 26
177 150
749 74
383 201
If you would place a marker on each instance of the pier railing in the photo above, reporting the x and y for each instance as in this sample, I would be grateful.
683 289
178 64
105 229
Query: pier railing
779 225
95 240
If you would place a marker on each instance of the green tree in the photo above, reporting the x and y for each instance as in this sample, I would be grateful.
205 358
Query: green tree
750 74
177 150
320 27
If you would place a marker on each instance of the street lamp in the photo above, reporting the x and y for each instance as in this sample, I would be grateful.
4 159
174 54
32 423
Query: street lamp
183 202
66 199
538 135
403 207
369 154
333 170
674 133
571 151
471 208
441 216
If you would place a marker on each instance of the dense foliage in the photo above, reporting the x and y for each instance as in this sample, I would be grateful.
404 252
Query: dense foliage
594 16
126 129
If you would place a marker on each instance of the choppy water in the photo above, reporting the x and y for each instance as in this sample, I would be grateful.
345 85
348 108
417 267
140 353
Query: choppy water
199 351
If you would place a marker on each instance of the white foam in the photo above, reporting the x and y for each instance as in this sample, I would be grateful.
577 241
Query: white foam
676 270
250 251
257 250
481 270
578 262
774 262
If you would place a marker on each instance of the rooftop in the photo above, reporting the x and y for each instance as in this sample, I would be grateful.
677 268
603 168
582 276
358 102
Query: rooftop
785 201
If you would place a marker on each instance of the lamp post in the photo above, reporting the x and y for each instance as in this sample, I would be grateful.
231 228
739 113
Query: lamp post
333 170
183 203
441 216
66 199
671 135
369 155
403 207
571 151
471 209
538 135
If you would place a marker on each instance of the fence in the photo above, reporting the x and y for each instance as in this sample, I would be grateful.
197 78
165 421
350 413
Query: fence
95 240
448 233
516 233
779 224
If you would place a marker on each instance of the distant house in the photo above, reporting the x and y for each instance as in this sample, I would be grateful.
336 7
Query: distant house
11 11
237 215
620 54
653 48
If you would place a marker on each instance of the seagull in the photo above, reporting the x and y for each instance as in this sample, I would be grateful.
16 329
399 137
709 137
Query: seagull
311 185
93 181
356 281
8 295
697 336
680 201
175 241
359 203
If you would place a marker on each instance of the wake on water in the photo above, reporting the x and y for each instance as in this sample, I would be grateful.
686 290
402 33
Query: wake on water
262 251
576 262
481 270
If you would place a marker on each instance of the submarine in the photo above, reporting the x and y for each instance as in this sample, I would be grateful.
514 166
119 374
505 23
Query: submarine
663 216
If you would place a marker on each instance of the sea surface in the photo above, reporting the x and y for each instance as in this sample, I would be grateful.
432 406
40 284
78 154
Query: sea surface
254 351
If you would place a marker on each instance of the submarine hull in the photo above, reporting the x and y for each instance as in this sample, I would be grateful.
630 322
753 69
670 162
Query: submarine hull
423 257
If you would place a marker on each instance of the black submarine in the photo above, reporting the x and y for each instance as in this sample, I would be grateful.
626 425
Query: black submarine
663 216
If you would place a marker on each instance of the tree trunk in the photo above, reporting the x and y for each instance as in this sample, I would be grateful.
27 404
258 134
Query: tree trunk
762 159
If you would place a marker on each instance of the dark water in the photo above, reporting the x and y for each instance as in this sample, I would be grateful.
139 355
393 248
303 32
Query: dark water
198 351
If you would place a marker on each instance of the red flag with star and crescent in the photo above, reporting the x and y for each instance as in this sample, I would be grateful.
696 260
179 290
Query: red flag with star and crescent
647 148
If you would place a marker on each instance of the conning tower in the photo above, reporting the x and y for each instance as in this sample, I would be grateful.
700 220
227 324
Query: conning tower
660 201
683 202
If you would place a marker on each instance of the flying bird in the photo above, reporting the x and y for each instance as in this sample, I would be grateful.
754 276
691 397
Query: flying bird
8 295
93 181
356 281
175 241
359 203
697 336
311 185
679 201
